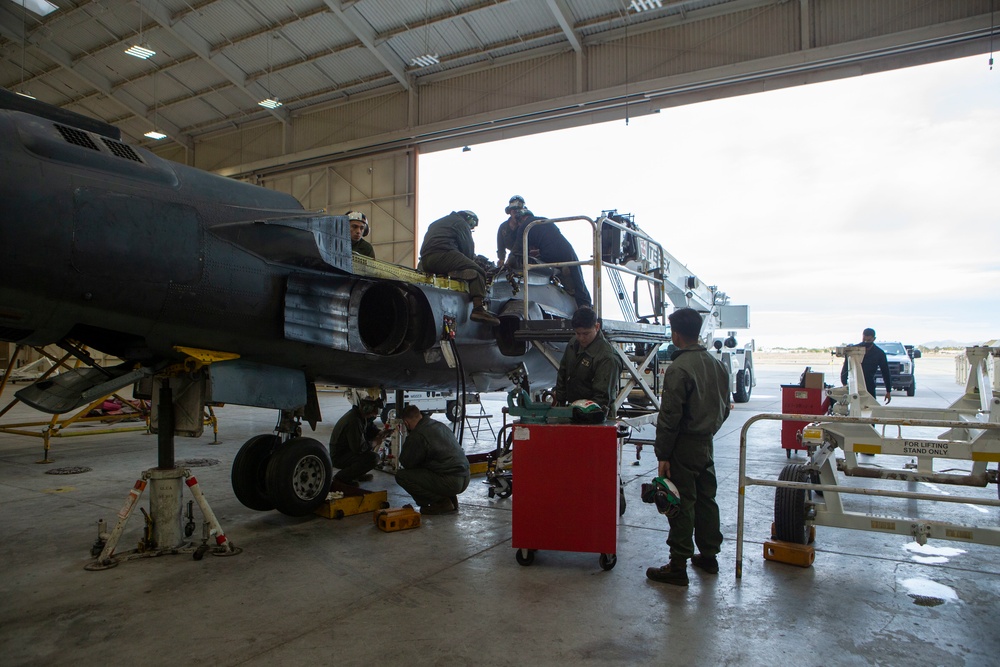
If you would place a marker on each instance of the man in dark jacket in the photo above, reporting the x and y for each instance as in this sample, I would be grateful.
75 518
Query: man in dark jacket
874 360
507 232
434 467
359 229
448 249
353 441
547 244
694 404
590 368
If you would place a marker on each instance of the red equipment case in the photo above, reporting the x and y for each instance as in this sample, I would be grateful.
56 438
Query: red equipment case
567 490
799 401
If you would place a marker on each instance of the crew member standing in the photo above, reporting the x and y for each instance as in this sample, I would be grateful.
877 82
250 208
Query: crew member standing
590 368
507 233
693 406
874 360
434 467
359 229
448 249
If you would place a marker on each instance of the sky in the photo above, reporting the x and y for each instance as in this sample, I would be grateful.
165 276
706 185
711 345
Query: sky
865 202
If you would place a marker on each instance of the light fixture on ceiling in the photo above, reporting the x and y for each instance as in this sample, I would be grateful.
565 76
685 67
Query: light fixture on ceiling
155 134
40 7
645 5
425 60
140 49
24 43
271 101
428 58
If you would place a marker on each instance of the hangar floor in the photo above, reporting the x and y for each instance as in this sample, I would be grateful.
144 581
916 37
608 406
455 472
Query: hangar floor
318 591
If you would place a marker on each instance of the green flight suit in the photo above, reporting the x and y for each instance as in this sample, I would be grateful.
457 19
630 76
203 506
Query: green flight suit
434 467
590 373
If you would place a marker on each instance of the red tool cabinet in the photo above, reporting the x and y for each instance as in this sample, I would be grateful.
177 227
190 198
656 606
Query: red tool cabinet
801 401
566 491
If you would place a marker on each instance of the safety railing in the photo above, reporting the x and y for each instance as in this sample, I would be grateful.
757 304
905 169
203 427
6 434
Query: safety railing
745 481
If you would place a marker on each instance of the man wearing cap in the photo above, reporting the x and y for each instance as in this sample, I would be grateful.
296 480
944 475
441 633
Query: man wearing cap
590 368
508 237
448 249
693 406
359 229
874 360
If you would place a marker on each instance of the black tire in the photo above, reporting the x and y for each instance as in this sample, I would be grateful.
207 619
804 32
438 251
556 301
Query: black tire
388 412
744 385
298 476
525 556
453 411
790 507
912 389
608 561
249 476
621 502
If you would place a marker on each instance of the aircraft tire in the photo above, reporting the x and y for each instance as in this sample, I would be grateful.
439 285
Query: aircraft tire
298 476
249 475
790 506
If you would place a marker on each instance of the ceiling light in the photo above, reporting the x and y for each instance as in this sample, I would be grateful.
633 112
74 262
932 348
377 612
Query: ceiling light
425 60
646 5
270 103
140 52
153 134
25 93
40 7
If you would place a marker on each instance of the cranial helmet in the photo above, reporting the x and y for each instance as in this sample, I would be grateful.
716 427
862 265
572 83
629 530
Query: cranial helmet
516 202
587 412
664 494
470 218
357 215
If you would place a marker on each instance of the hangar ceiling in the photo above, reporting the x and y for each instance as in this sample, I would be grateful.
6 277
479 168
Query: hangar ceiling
357 77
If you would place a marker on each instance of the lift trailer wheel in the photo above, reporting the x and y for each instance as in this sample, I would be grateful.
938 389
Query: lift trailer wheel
744 385
525 556
790 506
249 476
298 476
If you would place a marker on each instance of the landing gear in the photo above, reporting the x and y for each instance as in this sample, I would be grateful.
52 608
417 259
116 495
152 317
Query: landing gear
250 472
292 476
790 506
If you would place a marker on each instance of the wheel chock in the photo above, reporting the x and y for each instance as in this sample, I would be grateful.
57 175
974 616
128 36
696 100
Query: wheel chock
789 553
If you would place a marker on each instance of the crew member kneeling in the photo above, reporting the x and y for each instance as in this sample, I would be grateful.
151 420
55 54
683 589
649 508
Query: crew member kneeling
434 467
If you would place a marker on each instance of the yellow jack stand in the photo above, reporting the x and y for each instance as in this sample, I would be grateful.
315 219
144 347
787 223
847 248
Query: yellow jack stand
355 500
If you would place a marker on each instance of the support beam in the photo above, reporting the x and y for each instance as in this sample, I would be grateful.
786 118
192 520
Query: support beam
565 19
350 17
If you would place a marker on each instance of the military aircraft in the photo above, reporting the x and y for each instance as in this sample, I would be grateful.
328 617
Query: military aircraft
226 292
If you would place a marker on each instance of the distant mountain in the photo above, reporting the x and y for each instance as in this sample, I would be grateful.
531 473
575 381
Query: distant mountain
949 343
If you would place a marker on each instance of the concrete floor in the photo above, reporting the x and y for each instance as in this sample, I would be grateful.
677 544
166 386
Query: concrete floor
318 591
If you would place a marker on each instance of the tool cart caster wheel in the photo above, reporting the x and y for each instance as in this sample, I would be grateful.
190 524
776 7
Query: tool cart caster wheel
525 556
622 504
608 561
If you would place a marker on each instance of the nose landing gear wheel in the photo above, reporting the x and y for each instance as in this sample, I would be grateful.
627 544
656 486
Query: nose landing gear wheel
608 561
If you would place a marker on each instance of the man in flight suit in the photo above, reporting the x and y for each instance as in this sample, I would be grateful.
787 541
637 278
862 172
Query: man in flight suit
874 360
359 228
590 368
434 467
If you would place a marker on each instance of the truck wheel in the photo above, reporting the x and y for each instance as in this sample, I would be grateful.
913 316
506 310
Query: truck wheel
453 411
912 389
744 385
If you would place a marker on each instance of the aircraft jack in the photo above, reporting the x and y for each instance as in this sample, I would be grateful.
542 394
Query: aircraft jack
164 534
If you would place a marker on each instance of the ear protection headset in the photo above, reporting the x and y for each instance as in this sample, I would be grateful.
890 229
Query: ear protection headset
355 215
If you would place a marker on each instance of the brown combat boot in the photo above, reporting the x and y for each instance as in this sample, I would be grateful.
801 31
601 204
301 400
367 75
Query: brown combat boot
480 314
